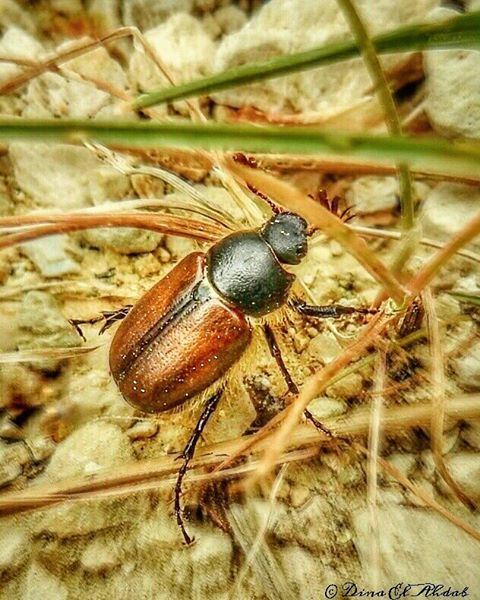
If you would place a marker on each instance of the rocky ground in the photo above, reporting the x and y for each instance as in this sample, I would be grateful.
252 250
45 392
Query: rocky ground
63 419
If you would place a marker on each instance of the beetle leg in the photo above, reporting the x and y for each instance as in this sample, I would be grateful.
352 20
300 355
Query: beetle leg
109 316
187 456
277 355
333 311
292 386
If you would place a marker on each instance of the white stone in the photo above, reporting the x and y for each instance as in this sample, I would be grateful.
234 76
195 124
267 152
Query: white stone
50 257
371 194
146 14
61 176
467 368
452 100
42 323
323 407
182 45
99 557
471 434
211 559
123 240
287 26
104 443
418 545
39 583
18 44
235 413
464 467
14 549
448 208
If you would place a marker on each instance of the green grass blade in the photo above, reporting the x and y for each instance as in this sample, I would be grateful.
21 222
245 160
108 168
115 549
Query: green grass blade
460 32
467 298
434 154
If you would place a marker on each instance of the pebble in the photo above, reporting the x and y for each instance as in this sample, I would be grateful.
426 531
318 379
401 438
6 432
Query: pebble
234 415
323 407
42 323
99 556
42 170
39 583
102 443
464 467
453 114
14 549
471 434
50 257
447 208
467 368
123 241
142 430
405 540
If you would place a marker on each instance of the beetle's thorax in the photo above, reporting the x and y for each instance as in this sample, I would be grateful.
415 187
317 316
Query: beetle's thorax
246 271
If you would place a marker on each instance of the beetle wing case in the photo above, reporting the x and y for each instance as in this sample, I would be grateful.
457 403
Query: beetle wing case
177 340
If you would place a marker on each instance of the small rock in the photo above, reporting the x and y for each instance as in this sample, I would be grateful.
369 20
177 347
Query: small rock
123 240
54 174
50 257
467 368
8 473
301 526
323 407
464 467
306 576
143 430
178 247
455 114
147 265
471 434
372 194
405 463
447 208
299 494
42 324
184 47
103 443
146 14
234 415
211 559
39 583
14 549
230 18
99 557
405 540
324 347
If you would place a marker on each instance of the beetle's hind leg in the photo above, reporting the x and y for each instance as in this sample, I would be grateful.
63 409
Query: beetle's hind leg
187 456
110 317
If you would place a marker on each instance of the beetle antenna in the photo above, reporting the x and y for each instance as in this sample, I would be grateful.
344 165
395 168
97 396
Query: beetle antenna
276 209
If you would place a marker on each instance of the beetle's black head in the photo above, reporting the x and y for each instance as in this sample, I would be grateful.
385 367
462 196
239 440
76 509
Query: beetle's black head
286 234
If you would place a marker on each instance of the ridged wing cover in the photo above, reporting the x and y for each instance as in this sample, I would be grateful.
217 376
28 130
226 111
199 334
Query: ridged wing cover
177 340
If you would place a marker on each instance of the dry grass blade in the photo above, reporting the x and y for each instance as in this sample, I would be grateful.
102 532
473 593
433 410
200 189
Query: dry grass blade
372 468
54 224
290 197
439 397
40 354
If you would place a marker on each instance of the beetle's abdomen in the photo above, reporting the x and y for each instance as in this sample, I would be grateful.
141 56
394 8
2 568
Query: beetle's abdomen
177 340
244 270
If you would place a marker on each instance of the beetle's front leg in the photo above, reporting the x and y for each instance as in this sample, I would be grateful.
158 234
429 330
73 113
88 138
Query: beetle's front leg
110 317
330 311
187 456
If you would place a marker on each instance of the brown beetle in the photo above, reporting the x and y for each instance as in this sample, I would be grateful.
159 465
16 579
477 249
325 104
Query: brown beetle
187 332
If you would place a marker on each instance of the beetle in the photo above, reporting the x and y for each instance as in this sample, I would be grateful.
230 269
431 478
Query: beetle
183 339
